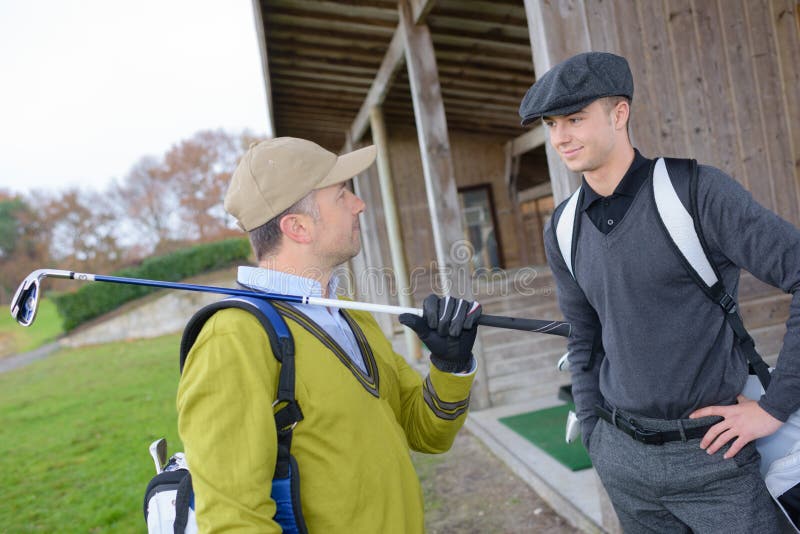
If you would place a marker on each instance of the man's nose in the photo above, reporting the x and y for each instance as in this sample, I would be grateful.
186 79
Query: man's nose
358 204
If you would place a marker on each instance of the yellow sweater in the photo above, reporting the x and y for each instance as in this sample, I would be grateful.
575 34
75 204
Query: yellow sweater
352 447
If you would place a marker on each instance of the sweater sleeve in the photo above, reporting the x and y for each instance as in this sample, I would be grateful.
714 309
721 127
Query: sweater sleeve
585 327
756 239
433 409
226 425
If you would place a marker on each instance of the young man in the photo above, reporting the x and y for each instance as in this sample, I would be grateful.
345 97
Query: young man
362 405
668 362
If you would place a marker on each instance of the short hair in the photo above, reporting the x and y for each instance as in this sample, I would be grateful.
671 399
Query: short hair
266 239
610 102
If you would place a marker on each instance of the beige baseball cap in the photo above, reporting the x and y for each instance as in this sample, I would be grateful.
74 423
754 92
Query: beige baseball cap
274 174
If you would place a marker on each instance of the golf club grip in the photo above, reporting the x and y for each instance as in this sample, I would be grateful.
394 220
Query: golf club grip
555 328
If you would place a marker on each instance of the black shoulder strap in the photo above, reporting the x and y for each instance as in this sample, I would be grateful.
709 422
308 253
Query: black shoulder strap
690 246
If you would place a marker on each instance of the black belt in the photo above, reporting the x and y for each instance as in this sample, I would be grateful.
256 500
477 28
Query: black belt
647 436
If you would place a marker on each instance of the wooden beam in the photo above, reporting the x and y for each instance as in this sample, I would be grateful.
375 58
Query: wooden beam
392 61
262 47
326 23
533 138
392 219
420 10
537 191
353 10
556 34
437 166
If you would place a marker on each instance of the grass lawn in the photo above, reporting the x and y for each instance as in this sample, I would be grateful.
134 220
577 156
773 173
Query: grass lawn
75 432
15 338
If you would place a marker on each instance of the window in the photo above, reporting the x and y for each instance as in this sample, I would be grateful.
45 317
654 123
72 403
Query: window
478 219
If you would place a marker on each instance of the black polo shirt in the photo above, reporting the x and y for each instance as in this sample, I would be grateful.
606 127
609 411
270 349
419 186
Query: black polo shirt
607 212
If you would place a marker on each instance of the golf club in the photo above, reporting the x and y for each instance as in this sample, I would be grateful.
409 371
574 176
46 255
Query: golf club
26 301
158 451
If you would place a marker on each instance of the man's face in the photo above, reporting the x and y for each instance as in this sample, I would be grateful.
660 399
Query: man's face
584 139
337 235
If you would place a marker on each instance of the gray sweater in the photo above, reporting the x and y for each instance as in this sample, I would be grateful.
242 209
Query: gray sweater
669 349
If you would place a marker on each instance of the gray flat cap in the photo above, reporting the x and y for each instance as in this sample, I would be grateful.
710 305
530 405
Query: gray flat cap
575 83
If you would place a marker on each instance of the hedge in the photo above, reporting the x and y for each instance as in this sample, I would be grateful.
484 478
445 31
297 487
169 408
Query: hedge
93 300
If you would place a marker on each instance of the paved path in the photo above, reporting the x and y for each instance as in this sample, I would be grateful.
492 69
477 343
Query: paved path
24 358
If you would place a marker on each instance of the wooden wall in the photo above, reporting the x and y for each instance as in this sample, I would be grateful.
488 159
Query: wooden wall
717 80
477 159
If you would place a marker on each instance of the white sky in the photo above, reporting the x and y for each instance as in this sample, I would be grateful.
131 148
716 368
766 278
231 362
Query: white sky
88 87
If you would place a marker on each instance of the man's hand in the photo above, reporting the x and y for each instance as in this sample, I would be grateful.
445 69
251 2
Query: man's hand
746 421
448 327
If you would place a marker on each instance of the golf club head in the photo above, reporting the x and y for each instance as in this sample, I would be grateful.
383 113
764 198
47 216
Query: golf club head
26 299
158 452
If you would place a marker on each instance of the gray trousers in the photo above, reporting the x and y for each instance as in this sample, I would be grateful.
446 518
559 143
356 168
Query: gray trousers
678 487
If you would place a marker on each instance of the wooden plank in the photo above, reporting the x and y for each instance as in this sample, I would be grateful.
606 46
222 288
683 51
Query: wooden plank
508 12
664 108
334 55
322 66
392 61
321 87
602 24
482 44
475 24
772 112
289 73
329 23
437 165
354 10
739 57
716 87
786 17
460 55
644 132
683 45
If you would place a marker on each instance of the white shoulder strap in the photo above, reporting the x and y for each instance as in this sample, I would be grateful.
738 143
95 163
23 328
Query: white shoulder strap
564 229
679 224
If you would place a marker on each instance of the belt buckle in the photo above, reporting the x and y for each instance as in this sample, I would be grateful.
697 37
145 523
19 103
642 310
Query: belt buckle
648 437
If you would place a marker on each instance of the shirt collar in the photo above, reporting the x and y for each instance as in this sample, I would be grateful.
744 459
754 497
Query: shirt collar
283 283
628 186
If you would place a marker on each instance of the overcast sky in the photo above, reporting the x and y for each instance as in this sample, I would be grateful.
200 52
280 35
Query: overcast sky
90 86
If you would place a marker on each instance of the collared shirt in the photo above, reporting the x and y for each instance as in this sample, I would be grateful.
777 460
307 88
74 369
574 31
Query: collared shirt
607 212
329 320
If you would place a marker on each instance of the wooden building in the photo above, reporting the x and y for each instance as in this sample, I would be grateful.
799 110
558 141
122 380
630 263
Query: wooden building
436 84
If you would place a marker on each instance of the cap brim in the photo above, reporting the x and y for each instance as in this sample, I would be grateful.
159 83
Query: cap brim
349 165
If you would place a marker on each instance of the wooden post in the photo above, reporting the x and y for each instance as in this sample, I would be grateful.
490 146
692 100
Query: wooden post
437 166
262 46
367 265
381 141
558 29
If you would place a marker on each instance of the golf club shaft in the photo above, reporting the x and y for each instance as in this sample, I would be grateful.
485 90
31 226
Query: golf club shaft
557 328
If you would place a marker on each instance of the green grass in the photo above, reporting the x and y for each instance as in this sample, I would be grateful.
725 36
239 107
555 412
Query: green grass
545 429
15 338
74 436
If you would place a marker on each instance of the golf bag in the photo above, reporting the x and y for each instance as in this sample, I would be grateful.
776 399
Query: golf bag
175 486
674 185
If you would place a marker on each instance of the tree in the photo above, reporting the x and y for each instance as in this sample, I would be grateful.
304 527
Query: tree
201 168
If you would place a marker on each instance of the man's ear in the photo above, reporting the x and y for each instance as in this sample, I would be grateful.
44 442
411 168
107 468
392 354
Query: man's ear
622 114
295 226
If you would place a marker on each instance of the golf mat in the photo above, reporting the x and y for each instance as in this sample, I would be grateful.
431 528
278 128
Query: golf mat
546 429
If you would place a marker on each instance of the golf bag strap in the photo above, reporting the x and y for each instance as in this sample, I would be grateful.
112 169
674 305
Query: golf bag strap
566 232
183 499
675 193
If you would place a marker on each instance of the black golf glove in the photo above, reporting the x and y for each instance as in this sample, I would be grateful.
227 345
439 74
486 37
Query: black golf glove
448 327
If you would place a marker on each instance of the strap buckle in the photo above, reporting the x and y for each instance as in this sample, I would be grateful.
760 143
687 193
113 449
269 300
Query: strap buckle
648 437
727 302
